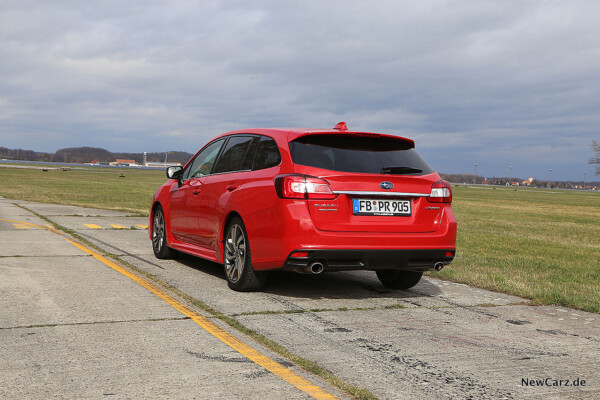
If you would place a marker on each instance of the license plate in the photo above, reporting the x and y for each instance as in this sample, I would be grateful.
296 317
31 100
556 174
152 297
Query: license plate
380 207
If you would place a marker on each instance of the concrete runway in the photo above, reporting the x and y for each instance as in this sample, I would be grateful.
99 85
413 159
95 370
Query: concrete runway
71 327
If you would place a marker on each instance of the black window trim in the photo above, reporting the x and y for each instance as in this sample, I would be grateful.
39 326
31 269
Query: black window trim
224 145
259 140
221 153
191 163
255 135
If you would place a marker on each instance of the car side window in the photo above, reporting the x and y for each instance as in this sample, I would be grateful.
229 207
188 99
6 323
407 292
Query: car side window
267 154
203 163
250 154
233 154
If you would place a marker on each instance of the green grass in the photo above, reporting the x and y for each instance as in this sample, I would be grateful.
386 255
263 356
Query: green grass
87 187
543 245
540 244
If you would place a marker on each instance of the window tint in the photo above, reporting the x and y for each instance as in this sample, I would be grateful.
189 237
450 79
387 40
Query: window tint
233 154
204 161
363 154
250 154
267 154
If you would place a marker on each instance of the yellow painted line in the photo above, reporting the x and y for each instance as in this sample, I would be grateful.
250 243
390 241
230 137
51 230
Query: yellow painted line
142 226
47 227
264 361
118 226
93 226
21 226
226 337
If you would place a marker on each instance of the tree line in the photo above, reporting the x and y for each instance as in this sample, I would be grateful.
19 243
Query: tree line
89 154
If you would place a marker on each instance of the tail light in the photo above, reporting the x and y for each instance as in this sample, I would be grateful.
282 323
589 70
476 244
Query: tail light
303 187
440 193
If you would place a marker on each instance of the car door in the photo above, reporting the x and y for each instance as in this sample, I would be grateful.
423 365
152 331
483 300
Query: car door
189 193
222 185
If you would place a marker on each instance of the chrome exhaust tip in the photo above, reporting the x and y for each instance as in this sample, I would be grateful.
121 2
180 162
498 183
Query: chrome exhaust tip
315 267
438 266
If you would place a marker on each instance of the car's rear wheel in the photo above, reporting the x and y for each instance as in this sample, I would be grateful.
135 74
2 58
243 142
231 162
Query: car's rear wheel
395 279
238 261
159 236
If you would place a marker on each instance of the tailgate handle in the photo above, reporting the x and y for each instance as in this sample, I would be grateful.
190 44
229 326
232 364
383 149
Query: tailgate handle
232 187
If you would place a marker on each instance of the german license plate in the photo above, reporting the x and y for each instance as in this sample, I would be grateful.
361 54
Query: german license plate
380 207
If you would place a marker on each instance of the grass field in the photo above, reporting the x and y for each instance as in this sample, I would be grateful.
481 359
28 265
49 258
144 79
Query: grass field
540 244
87 187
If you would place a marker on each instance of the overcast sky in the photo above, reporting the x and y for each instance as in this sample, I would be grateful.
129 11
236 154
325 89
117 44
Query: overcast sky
493 83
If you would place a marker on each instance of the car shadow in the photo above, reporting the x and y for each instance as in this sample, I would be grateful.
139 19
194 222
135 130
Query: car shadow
202 265
328 285
341 285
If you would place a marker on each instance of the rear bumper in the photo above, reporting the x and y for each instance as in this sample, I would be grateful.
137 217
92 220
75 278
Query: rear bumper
368 259
279 231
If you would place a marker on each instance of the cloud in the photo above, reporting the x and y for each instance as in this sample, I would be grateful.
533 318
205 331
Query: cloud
487 82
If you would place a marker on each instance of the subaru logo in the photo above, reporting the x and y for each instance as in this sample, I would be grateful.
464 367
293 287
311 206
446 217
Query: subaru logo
386 185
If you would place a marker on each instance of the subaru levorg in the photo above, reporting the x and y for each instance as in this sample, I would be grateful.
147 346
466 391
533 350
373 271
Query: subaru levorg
307 200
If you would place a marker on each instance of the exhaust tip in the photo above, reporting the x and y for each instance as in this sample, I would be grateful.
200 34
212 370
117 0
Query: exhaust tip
438 266
316 267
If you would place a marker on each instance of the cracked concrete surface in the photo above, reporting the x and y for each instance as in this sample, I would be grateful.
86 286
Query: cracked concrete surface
437 340
72 328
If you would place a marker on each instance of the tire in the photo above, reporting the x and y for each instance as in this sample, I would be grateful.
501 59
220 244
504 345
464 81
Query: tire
237 260
395 279
159 236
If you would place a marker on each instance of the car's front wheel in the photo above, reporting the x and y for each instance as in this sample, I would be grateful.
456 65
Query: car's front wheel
238 261
159 236
395 279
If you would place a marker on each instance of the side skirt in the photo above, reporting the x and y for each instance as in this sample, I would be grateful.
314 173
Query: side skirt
196 251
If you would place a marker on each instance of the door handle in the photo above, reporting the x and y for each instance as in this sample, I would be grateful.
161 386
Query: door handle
232 187
195 192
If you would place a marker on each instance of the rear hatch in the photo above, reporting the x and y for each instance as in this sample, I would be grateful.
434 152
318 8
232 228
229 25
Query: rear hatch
380 183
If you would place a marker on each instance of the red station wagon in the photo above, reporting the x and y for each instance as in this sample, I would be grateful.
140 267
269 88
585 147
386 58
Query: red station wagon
307 200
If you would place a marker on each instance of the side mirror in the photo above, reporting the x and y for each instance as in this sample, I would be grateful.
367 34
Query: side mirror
175 172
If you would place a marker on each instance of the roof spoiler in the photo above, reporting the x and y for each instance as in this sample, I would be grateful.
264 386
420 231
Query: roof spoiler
341 126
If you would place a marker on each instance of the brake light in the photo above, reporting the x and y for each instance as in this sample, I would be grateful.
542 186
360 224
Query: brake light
303 187
440 193
291 187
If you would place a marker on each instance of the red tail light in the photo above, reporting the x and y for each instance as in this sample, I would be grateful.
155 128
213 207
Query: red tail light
440 193
303 187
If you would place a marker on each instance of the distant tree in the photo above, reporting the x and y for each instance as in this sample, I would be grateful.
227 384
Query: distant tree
596 158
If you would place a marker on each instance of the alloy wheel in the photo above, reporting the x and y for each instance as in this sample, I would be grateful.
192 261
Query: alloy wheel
158 231
235 253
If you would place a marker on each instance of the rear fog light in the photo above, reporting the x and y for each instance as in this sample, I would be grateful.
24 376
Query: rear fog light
298 254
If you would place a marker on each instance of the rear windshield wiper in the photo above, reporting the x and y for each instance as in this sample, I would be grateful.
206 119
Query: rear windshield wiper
400 170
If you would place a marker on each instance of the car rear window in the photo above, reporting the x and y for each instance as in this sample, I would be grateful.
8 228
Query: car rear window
362 154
